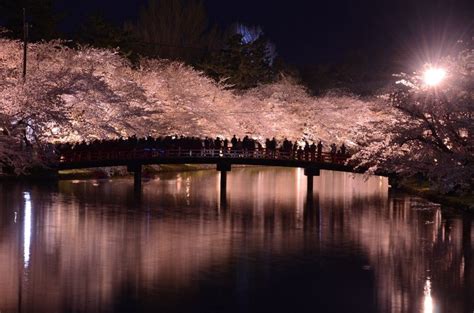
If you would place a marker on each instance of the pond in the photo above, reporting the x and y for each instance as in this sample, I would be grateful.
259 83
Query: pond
355 246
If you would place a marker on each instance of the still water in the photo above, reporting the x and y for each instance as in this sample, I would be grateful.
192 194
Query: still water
97 246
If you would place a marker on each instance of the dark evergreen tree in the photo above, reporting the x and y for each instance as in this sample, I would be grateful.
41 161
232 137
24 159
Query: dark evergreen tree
175 29
98 32
355 73
241 65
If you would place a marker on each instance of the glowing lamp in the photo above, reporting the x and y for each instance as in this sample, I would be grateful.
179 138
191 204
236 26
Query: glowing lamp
434 76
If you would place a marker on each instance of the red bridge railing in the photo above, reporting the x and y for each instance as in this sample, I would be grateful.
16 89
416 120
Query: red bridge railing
86 155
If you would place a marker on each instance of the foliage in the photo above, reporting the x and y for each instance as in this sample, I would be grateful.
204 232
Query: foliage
100 33
90 93
66 95
174 29
242 65
251 34
433 134
356 72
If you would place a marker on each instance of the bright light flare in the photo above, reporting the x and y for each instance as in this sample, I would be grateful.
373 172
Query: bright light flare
434 76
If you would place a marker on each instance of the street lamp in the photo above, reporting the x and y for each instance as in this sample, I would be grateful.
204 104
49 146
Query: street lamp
434 76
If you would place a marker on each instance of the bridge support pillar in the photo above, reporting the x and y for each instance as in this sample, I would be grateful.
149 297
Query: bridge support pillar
310 172
223 168
137 174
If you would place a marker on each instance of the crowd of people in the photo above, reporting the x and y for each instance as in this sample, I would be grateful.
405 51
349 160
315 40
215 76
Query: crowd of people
210 147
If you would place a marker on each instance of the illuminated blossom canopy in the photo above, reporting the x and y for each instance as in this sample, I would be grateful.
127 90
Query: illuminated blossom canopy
433 133
87 93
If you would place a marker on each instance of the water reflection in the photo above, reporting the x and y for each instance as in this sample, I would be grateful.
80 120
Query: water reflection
92 247
428 300
27 229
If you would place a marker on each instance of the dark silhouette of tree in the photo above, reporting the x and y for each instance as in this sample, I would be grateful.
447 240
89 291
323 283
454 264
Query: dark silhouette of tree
98 32
174 29
241 65
41 16
355 73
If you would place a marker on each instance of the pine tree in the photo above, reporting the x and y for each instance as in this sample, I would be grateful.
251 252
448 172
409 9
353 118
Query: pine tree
100 33
174 29
241 65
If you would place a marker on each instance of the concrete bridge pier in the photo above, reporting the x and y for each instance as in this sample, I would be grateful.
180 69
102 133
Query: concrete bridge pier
136 169
310 172
223 168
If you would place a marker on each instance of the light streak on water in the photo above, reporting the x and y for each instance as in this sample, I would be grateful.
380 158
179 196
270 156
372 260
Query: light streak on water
300 192
27 229
427 300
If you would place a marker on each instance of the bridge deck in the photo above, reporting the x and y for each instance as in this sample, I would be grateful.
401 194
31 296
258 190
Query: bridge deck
91 159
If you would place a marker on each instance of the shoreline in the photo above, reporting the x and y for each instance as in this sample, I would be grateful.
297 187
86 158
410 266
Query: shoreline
463 203
100 173
108 173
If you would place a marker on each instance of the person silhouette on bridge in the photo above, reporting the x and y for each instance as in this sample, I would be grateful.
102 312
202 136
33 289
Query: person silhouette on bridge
218 145
268 147
246 145
320 151
299 153
233 141
333 152
239 147
343 149
312 150
274 143
295 150
306 150
226 147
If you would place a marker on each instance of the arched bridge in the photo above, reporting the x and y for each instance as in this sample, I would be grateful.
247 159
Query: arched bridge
134 158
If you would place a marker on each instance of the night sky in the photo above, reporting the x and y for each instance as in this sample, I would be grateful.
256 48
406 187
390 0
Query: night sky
317 31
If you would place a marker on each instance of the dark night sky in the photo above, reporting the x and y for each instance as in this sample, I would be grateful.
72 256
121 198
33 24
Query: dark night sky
314 31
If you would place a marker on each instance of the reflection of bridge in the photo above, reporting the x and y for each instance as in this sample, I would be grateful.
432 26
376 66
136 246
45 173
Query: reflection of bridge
134 159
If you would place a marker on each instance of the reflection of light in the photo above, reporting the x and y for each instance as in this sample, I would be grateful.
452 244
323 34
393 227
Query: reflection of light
188 190
428 301
27 229
299 196
434 76
178 182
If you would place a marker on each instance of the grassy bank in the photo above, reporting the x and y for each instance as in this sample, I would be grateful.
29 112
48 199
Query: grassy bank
423 189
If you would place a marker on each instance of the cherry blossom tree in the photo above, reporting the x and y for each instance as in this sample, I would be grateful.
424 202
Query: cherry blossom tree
88 93
433 132
67 95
